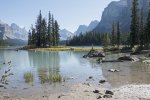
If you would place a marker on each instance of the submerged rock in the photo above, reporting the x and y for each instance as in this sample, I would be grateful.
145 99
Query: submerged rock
90 77
102 81
114 70
1 85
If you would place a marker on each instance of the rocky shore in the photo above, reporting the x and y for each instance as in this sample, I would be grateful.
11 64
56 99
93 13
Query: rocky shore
91 92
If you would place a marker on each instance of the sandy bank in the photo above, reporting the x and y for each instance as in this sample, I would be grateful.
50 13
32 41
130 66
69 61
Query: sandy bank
85 92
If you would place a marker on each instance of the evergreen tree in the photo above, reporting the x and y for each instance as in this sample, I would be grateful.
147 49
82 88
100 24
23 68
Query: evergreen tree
43 32
49 31
29 38
39 29
34 39
118 34
147 29
56 33
113 34
141 29
134 28
53 31
105 40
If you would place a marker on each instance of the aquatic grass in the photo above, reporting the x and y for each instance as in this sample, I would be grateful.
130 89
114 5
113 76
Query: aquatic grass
51 78
43 78
28 76
56 77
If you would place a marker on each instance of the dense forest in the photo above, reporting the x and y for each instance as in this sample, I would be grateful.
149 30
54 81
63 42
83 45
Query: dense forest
93 38
44 34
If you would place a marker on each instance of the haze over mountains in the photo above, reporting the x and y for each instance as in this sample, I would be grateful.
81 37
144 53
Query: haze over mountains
119 11
64 33
83 28
13 34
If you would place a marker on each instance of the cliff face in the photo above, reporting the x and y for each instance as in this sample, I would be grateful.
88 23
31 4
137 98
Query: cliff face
119 11
13 34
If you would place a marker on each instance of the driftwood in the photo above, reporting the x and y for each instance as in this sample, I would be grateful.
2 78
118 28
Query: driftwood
93 53
128 58
101 60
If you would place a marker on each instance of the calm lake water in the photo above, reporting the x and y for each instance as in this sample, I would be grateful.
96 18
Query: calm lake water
70 65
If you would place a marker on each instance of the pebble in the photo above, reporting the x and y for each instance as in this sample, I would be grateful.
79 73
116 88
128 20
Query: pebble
109 92
96 91
107 96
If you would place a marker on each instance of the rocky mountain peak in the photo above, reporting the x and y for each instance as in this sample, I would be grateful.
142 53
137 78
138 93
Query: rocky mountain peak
119 11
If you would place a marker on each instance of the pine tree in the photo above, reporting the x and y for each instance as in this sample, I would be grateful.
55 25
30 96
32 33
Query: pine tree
147 29
113 34
29 38
134 24
141 29
53 32
43 32
34 39
105 40
56 33
118 34
39 29
49 32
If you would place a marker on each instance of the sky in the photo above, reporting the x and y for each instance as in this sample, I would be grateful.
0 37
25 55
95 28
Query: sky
69 13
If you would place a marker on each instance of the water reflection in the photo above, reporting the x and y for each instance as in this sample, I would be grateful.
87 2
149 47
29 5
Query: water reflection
49 67
46 64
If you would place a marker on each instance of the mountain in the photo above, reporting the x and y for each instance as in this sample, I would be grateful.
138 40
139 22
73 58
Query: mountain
119 11
81 29
13 34
84 28
65 34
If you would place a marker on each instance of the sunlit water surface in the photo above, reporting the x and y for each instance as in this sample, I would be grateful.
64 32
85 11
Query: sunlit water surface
70 65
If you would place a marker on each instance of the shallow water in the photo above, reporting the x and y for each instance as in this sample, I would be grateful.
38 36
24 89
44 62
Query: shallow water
70 65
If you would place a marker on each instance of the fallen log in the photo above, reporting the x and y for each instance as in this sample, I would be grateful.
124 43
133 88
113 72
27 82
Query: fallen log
93 53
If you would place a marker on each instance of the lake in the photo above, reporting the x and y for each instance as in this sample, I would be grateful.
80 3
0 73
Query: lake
70 65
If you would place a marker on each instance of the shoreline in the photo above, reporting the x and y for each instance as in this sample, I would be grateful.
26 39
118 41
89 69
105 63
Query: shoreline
85 92
61 48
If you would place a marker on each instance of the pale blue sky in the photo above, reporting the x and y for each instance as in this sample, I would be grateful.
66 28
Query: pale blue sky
69 13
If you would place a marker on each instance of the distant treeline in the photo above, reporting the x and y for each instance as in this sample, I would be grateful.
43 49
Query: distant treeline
44 34
94 38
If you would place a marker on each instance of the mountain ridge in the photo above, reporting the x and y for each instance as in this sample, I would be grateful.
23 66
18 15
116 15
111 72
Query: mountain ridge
86 28
119 11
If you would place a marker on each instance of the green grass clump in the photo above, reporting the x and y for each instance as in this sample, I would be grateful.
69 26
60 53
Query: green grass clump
43 78
55 77
51 78
28 76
